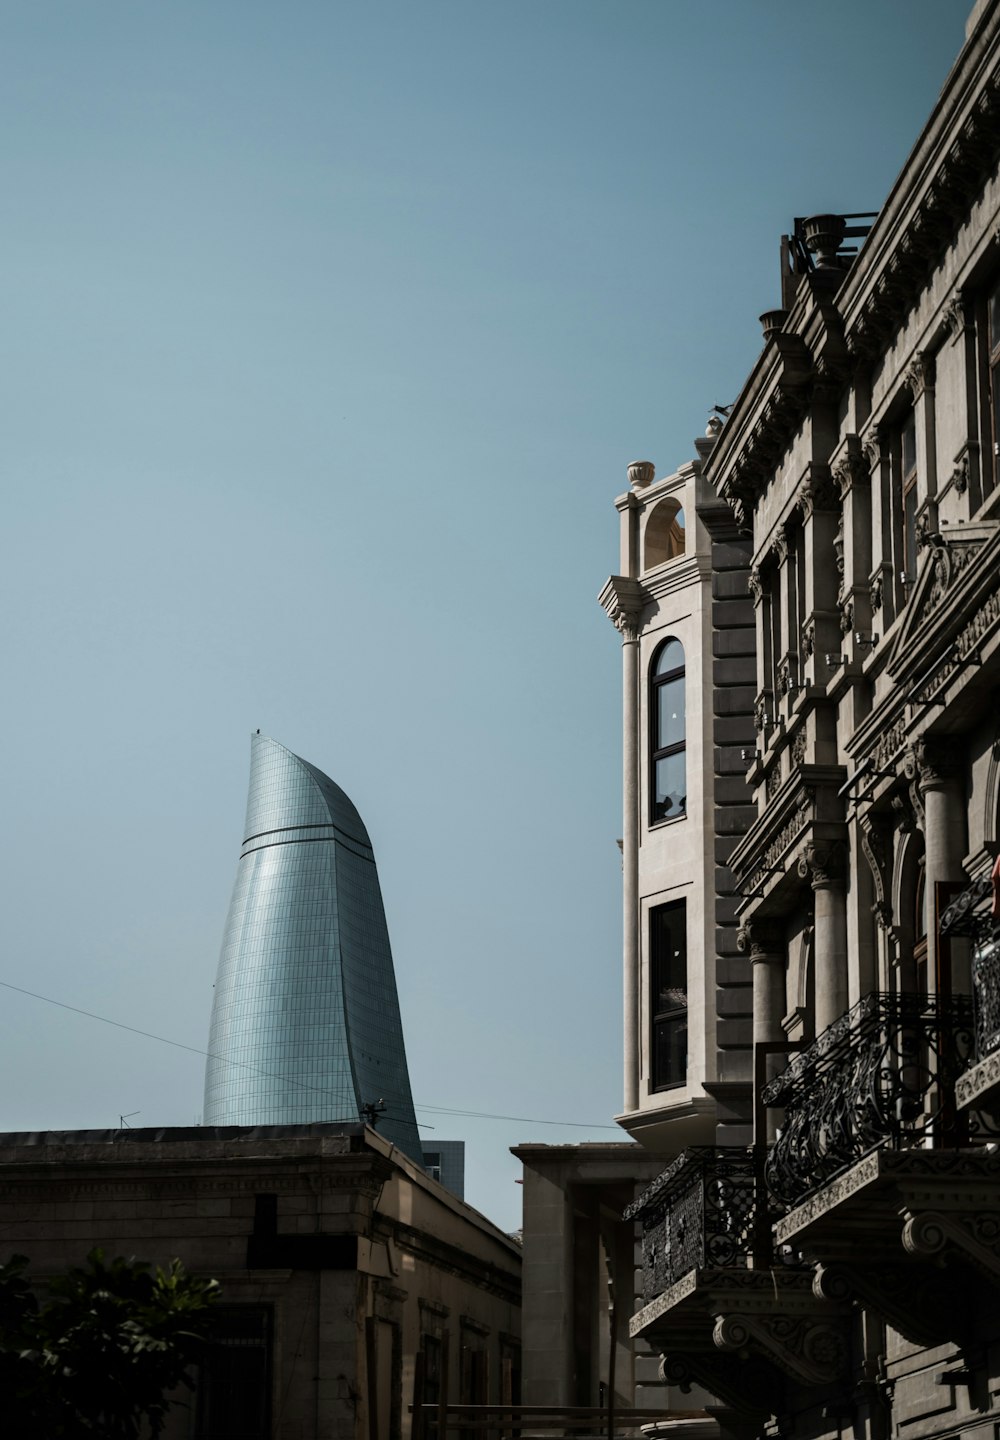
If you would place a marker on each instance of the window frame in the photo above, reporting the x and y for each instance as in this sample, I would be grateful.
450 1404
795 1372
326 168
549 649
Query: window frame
675 1017
658 752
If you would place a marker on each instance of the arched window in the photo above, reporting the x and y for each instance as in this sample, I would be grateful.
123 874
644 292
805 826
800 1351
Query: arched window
664 535
668 765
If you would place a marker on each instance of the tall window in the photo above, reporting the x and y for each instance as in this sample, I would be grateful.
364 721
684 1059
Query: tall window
908 474
668 976
234 1379
993 342
667 737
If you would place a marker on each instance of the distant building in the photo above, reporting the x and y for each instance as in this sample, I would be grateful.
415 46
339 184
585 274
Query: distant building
305 1020
340 1264
444 1160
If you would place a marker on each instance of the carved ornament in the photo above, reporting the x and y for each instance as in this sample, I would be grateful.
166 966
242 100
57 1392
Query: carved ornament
817 491
876 846
755 585
919 374
761 939
975 1235
812 1351
822 865
848 472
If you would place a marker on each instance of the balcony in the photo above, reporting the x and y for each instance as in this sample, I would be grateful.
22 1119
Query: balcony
882 1076
699 1213
721 1312
970 917
880 1175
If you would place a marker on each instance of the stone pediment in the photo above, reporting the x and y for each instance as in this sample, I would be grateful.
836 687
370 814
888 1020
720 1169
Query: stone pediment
959 568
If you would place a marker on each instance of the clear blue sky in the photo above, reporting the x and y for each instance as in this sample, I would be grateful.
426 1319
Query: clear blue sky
329 330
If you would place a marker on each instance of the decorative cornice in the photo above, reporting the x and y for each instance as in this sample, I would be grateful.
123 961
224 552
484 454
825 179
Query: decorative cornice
623 600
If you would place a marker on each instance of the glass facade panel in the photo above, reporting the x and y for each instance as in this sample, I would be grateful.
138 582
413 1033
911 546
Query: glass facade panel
305 1022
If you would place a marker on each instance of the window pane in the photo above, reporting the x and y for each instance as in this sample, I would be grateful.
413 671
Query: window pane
670 787
671 657
668 937
670 1052
909 445
670 713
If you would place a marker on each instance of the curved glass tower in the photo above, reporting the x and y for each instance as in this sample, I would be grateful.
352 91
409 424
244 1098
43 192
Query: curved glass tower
305 1022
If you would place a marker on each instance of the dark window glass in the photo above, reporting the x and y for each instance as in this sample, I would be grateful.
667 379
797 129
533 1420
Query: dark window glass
668 1000
667 737
432 1369
234 1378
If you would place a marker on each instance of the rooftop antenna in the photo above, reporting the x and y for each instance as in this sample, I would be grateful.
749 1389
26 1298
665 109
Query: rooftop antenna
123 1120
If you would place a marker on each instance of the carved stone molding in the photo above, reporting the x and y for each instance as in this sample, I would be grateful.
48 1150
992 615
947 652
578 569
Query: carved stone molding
919 374
877 592
800 742
931 762
780 544
817 491
808 638
623 600
919 1303
876 846
974 1235
957 315
762 710
822 865
850 471
873 448
748 1389
891 740
811 1350
756 586
761 939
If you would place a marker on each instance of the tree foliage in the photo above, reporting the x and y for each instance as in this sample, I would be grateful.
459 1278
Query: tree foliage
98 1355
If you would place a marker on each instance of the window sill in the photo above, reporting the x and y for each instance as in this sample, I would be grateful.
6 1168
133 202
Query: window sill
668 820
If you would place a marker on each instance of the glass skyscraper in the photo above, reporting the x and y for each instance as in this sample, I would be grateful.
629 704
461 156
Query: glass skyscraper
305 1021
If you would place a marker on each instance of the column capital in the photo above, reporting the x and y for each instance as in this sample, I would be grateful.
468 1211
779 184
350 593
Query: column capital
932 762
817 491
762 940
623 600
822 865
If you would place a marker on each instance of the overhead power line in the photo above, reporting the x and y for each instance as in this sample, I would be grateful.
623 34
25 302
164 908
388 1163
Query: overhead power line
286 1079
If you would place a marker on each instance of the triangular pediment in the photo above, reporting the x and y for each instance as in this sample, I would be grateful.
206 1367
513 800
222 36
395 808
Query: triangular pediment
955 568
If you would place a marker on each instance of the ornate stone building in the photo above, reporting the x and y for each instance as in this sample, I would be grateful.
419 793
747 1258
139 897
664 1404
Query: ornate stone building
841 1273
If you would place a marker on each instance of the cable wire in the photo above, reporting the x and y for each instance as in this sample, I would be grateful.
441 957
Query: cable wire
285 1079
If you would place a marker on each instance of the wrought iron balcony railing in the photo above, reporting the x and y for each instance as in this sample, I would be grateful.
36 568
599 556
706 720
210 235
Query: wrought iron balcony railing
881 1075
700 1212
970 915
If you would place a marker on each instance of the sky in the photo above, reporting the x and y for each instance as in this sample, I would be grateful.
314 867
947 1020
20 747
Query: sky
329 332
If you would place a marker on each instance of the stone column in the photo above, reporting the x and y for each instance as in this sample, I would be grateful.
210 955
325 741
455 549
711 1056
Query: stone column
764 941
824 869
940 789
626 623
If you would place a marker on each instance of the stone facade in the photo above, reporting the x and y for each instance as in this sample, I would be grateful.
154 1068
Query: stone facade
339 1260
842 1272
